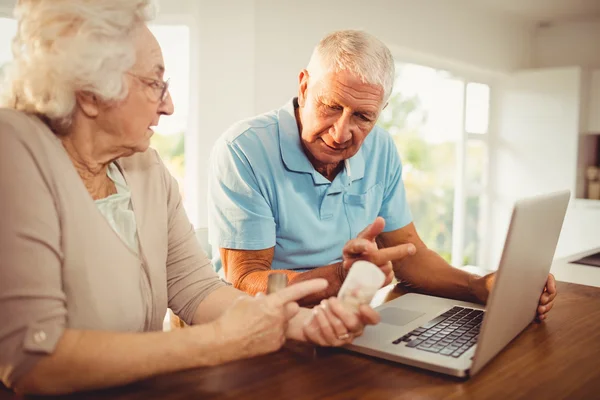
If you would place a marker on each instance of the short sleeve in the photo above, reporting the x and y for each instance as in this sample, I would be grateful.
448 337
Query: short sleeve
32 302
240 217
394 208
190 274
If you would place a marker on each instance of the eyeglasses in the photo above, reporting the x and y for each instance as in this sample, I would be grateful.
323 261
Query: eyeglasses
159 88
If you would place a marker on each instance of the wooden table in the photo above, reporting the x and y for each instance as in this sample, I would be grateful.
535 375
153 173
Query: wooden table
558 359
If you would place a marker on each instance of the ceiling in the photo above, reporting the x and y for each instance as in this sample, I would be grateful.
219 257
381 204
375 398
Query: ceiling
543 11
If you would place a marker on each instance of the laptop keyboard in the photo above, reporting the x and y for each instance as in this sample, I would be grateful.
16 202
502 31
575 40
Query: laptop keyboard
449 334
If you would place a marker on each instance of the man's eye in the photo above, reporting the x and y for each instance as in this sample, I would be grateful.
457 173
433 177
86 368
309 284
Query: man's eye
364 118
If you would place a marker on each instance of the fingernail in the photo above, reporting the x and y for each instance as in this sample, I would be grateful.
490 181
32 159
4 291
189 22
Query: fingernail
412 250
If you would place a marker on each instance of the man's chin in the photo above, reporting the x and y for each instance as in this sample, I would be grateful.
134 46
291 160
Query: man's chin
324 154
330 158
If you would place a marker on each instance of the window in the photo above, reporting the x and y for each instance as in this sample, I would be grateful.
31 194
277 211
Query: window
478 108
169 135
438 122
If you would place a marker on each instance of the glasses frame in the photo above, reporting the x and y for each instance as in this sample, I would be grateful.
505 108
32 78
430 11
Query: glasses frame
163 86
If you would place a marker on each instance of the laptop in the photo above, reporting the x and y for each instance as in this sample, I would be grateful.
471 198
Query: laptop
459 338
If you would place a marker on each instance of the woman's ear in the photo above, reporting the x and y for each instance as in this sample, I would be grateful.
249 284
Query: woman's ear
88 103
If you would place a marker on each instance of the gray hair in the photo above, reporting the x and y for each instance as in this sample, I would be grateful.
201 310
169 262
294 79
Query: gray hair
358 52
66 46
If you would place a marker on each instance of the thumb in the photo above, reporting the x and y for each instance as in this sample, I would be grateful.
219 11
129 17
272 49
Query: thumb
372 231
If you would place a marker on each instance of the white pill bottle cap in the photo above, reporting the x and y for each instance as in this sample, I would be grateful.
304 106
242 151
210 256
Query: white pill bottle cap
362 283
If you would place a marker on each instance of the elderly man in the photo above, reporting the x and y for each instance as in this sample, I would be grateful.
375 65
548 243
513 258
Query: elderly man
289 188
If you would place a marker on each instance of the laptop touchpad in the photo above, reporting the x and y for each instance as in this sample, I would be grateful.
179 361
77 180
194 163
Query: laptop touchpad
398 316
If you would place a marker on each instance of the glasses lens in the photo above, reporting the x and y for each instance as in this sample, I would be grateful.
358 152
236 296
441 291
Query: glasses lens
163 95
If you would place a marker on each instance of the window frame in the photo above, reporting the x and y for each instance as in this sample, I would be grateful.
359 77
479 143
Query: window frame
466 74
461 192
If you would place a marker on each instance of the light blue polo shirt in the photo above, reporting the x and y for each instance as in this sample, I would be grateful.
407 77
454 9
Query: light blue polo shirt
264 192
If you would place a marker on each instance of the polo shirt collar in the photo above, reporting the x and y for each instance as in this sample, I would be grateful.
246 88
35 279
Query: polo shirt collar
292 152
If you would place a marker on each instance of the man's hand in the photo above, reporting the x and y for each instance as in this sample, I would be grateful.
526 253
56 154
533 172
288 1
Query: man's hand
364 247
547 298
483 285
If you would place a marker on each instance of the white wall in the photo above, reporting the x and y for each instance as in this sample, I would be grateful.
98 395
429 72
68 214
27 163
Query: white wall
535 141
224 89
6 7
449 32
570 43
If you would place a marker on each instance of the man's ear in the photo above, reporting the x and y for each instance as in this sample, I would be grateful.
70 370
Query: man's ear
302 86
88 103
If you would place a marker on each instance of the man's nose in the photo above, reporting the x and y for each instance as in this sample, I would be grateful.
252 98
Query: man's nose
342 130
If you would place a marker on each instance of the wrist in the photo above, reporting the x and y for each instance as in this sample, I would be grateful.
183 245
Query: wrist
478 288
212 344
296 324
341 272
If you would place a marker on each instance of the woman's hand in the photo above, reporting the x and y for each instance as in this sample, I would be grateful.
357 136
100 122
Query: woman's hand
332 324
257 325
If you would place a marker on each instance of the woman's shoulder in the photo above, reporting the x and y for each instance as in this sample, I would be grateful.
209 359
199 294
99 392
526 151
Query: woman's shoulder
19 123
11 115
20 129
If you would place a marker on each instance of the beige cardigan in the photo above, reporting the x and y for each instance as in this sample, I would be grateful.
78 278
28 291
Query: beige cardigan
62 265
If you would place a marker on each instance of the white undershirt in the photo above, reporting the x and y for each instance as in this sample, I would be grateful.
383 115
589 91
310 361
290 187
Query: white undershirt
118 211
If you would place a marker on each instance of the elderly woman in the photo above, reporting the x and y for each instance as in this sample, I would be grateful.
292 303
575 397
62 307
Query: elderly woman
94 241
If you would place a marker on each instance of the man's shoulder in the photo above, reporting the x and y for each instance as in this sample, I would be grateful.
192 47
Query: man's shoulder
260 127
378 141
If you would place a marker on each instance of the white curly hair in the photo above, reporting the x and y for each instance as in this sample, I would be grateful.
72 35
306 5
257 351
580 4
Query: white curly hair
356 51
66 46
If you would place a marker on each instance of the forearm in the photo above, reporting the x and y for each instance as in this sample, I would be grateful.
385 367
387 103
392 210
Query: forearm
249 270
426 272
215 304
85 360
335 275
255 282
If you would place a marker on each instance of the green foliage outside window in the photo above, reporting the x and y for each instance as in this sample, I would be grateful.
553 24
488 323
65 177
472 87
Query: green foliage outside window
429 174
428 171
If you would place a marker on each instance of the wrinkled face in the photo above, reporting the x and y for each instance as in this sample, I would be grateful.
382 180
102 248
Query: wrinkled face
129 122
337 112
